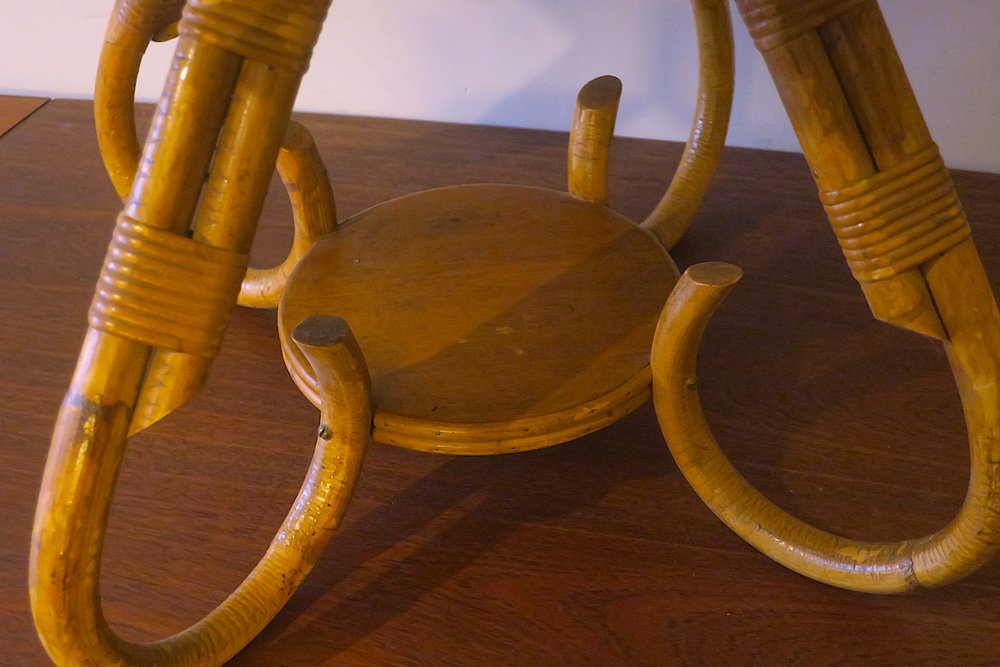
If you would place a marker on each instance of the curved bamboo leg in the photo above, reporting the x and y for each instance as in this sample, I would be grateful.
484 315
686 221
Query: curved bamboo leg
590 138
593 127
314 214
960 287
679 204
133 24
78 486
170 279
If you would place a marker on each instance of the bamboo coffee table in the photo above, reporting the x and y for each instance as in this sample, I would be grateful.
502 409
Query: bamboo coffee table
479 319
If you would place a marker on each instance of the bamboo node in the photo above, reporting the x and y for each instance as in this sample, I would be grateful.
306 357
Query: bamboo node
775 22
166 290
897 219
277 32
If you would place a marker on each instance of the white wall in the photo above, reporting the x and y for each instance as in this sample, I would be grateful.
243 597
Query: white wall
519 63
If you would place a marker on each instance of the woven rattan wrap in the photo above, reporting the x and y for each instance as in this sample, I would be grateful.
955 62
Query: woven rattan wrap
166 290
899 218
775 22
148 16
278 32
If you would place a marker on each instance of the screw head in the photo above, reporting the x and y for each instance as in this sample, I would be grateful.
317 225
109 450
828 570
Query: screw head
325 431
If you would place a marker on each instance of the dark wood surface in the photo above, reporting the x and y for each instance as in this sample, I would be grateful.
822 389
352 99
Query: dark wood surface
591 553
14 109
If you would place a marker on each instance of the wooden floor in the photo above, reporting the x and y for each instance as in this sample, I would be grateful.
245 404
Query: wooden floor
591 553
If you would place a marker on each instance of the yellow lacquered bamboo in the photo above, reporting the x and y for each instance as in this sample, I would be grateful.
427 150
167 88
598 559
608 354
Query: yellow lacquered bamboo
590 136
132 25
225 109
314 213
673 214
847 96
960 547
227 215
88 446
904 234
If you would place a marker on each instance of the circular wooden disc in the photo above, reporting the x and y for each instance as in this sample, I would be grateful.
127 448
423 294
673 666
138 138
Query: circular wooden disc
493 318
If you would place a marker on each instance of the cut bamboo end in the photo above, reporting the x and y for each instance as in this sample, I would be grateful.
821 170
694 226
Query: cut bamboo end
906 302
333 353
604 92
322 331
297 137
714 274
590 138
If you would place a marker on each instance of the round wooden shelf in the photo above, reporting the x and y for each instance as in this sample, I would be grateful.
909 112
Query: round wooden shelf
493 318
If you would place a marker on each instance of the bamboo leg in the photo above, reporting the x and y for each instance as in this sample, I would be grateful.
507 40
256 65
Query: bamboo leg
905 237
852 108
88 446
590 138
314 214
877 567
675 211
133 24
170 279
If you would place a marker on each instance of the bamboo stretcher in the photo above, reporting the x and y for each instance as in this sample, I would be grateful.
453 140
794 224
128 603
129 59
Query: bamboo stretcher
177 265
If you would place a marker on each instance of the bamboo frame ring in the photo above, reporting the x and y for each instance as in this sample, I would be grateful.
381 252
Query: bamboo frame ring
78 487
957 549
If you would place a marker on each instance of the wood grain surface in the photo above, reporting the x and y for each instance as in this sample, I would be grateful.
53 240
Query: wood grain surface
493 318
14 109
592 553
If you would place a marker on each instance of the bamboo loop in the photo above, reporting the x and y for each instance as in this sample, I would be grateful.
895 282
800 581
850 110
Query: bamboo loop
957 549
902 229
132 25
314 214
165 290
676 209
220 111
70 523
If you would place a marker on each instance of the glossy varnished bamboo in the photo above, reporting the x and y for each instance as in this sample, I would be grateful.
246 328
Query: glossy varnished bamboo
178 262
592 552
169 281
491 316
905 235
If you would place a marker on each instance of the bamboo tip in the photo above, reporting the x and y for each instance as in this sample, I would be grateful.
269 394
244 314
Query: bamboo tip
924 321
322 331
714 274
167 32
600 93
296 137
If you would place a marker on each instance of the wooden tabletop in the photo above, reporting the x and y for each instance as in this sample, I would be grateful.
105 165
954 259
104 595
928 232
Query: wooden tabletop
14 109
594 552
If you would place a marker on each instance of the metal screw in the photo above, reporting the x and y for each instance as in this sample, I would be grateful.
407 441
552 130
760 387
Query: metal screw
325 431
